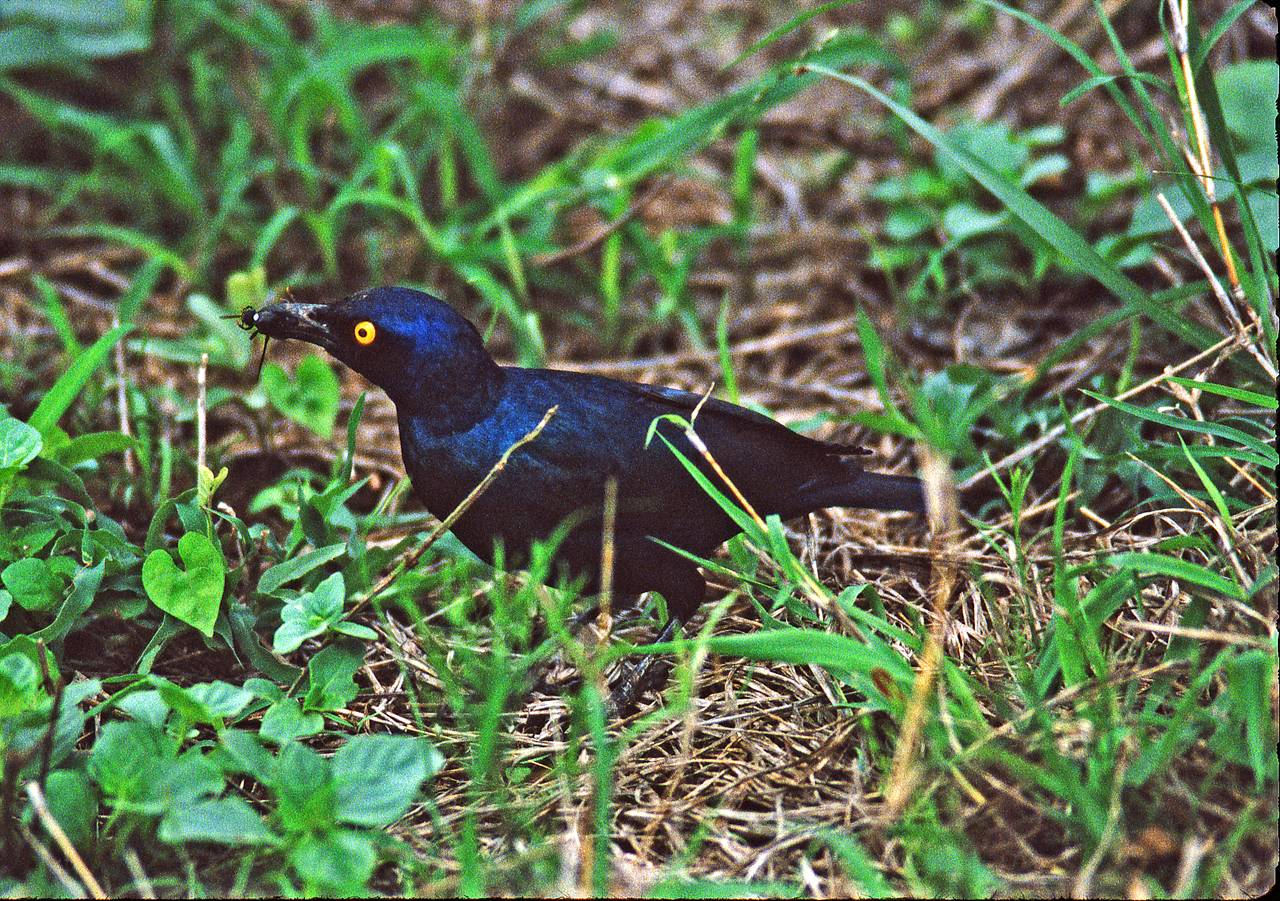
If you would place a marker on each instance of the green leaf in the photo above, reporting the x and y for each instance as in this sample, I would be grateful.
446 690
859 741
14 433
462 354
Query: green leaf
1193 425
70 383
332 676
284 721
1265 401
283 573
1098 80
20 686
226 821
310 614
378 776
305 789
1248 91
45 32
1250 677
91 446
963 220
33 583
73 804
218 699
127 758
83 589
335 863
57 314
19 443
1183 570
242 752
310 399
192 595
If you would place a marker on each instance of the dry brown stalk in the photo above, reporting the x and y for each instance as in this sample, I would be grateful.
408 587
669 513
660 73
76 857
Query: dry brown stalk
1178 15
944 515
410 559
1241 332
55 830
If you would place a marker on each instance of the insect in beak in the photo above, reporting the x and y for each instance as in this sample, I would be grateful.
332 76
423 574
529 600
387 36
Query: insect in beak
247 319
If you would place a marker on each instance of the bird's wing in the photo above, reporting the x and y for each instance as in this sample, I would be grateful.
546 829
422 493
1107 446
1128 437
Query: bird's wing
685 403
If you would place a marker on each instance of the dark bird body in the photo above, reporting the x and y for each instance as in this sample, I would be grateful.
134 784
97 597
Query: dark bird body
459 411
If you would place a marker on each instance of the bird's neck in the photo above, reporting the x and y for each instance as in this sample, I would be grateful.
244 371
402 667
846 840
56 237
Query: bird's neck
448 395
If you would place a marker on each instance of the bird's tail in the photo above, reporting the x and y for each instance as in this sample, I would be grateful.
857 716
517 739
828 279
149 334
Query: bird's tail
877 491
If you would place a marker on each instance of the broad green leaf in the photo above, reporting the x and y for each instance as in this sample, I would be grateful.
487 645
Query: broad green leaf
20 686
337 862
83 589
295 568
19 443
73 804
378 776
309 614
284 721
225 821
305 788
193 594
33 583
332 676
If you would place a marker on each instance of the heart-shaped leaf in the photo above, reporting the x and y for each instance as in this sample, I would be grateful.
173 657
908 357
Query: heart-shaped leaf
192 595
309 399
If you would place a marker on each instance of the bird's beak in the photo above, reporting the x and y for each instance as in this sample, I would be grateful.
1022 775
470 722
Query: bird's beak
304 321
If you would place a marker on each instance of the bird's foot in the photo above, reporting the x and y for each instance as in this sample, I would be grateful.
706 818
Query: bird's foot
637 678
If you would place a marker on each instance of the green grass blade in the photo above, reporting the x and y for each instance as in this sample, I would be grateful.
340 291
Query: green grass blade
68 386
1182 423
1265 401
1037 217
1183 570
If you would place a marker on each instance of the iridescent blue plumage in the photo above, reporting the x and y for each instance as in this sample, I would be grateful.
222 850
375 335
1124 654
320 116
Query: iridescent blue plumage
459 411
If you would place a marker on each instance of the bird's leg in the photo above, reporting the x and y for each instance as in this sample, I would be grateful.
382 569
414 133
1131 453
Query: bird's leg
574 626
644 674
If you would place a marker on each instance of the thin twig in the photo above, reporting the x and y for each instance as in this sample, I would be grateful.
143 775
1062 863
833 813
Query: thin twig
1182 44
940 496
140 879
54 687
700 446
1224 301
54 828
409 560
202 411
1233 638
65 879
1057 431
607 553
122 402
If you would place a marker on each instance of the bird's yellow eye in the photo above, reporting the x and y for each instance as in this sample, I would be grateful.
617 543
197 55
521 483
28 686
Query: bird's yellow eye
365 333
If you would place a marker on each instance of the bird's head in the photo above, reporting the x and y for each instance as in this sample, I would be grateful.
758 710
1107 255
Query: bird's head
423 353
